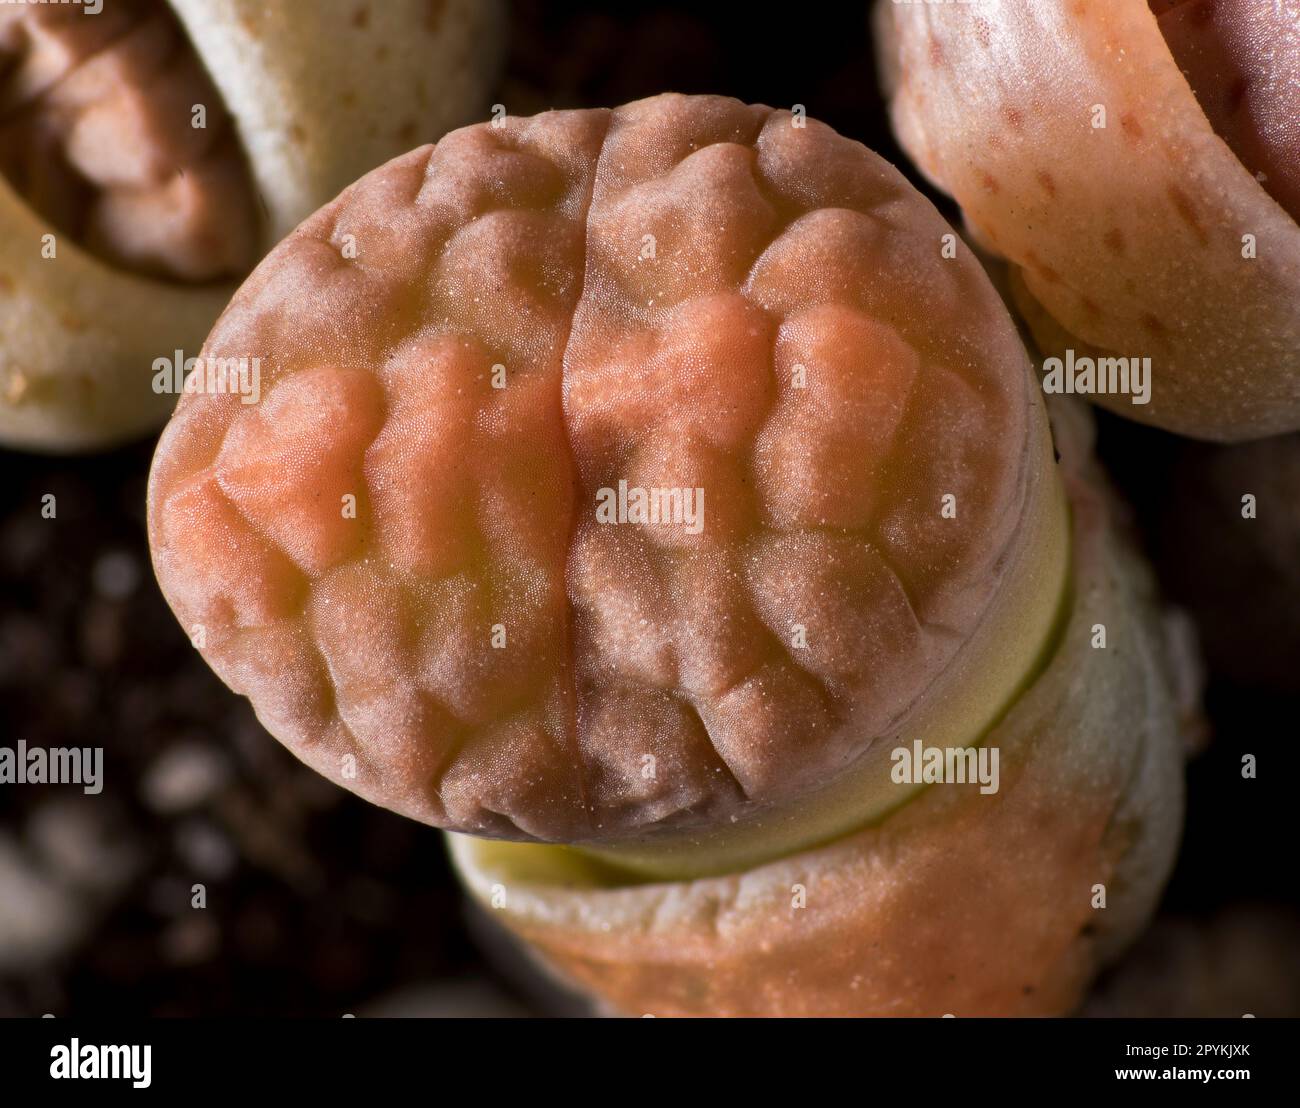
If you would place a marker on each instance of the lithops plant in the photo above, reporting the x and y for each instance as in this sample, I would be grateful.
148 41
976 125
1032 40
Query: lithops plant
1141 175
152 150
637 486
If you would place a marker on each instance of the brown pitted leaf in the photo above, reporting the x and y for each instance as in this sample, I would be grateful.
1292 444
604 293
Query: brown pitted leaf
683 293
96 132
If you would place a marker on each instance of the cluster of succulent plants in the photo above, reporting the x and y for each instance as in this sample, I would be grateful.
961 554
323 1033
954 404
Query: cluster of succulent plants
665 500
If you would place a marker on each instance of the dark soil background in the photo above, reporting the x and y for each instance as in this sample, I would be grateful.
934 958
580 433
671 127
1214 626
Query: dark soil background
319 904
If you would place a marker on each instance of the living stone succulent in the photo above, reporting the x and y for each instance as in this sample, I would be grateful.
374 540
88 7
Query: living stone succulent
626 490
152 150
1138 167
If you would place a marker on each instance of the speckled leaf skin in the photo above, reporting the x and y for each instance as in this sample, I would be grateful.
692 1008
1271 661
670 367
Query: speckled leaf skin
1127 238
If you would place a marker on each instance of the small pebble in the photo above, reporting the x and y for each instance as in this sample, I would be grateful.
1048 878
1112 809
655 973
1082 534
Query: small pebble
206 849
82 842
191 940
184 776
39 919
116 575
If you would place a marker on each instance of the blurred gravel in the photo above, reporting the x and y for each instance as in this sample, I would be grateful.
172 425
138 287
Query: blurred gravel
315 901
